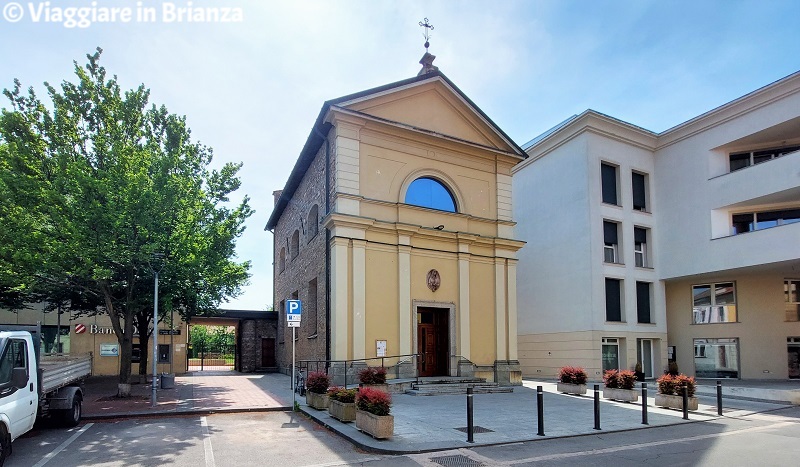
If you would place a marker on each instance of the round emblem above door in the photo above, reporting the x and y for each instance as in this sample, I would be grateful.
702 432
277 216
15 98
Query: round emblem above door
434 281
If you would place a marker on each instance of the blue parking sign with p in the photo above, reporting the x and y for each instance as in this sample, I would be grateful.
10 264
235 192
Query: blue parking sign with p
294 310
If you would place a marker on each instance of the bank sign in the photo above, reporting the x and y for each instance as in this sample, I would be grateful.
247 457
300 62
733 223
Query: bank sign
95 329
294 312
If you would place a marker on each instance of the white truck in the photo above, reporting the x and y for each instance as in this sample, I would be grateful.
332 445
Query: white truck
32 386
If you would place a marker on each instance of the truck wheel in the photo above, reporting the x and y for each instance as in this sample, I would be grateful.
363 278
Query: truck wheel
72 417
5 444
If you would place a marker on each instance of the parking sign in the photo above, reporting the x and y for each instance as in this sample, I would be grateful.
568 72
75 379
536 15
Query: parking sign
294 312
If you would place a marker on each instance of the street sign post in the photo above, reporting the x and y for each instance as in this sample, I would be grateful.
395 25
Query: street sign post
294 313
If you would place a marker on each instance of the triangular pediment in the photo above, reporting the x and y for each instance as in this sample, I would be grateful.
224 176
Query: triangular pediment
433 106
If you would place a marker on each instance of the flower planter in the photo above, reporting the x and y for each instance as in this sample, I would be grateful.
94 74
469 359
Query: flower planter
342 411
617 394
674 402
318 401
380 387
378 426
577 389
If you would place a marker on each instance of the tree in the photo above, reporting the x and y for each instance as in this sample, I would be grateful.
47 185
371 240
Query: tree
93 186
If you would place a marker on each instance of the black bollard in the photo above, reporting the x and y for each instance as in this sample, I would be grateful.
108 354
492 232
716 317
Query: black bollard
596 406
685 402
470 425
719 398
644 404
540 409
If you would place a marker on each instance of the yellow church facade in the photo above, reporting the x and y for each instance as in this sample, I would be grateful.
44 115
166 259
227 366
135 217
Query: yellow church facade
404 254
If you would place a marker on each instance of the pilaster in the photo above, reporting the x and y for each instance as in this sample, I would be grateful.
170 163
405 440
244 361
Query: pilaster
500 308
339 298
359 299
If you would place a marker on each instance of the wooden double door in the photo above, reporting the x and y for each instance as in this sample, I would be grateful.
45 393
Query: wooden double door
432 341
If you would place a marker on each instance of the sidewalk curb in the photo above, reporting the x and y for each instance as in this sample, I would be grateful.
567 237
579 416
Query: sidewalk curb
380 450
171 413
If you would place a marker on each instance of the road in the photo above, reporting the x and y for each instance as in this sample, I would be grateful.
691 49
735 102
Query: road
285 439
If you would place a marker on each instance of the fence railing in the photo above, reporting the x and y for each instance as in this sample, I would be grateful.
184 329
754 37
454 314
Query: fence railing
319 365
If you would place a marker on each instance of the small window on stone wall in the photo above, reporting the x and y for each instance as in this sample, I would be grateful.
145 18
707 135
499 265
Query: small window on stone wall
282 260
295 248
313 222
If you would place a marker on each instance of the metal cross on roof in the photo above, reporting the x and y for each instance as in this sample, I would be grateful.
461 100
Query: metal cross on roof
427 34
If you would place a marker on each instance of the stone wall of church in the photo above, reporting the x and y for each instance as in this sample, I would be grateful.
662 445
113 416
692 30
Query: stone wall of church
251 332
303 276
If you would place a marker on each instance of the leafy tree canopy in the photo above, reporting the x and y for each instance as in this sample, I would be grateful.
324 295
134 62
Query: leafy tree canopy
95 183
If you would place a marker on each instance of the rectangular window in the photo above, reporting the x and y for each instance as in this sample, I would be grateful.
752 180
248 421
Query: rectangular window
716 358
741 160
714 303
793 348
164 353
791 291
639 182
609 180
611 242
14 356
610 353
640 247
613 300
643 302
750 221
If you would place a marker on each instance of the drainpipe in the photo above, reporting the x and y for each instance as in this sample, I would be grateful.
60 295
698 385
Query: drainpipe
327 247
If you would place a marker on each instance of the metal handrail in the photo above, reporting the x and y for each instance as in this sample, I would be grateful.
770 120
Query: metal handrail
306 364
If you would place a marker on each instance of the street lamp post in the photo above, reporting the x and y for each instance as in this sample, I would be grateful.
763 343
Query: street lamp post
159 263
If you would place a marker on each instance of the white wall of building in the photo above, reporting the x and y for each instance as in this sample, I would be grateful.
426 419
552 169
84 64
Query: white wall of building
555 289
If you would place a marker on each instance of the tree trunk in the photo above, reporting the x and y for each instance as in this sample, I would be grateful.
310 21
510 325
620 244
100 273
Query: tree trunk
125 354
122 322
143 326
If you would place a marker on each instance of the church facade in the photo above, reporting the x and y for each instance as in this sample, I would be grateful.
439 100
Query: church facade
395 231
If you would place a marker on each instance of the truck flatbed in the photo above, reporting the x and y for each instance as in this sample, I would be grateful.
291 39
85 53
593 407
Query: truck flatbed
62 370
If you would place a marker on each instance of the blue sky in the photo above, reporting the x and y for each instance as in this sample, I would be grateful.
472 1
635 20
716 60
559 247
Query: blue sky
252 89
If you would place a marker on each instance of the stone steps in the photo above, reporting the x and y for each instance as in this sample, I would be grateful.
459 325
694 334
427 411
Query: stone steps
456 386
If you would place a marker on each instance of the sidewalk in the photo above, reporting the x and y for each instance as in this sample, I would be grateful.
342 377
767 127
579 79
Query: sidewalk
432 423
205 392
422 423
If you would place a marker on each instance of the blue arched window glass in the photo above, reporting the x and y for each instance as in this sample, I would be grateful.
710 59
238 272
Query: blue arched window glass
430 193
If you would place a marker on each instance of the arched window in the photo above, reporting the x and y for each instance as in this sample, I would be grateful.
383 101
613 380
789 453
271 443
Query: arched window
282 260
313 222
430 193
295 248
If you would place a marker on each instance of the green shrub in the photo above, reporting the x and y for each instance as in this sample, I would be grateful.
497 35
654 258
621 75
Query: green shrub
610 379
318 382
626 379
572 375
671 385
372 375
374 401
346 396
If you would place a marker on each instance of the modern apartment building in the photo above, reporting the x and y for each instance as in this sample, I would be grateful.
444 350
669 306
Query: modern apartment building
650 247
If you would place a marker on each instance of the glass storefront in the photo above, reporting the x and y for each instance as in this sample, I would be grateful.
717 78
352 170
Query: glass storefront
610 354
716 358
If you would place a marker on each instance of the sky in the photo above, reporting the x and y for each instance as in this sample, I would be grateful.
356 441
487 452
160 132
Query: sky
251 87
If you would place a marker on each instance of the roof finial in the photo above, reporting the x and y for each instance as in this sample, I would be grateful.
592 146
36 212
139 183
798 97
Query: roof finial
428 58
427 34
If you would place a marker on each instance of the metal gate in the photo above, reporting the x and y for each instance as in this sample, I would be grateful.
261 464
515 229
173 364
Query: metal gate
212 348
